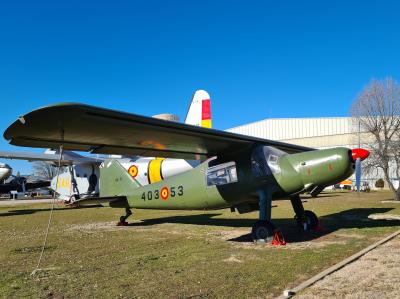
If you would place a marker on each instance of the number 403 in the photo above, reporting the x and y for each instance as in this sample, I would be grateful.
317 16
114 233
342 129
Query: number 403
173 191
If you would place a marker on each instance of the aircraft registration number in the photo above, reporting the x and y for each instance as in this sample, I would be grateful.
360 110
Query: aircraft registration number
164 193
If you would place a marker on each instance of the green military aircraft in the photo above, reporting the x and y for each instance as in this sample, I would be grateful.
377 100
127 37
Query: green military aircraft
236 171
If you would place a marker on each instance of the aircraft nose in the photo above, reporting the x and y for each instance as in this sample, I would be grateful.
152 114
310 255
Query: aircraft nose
359 153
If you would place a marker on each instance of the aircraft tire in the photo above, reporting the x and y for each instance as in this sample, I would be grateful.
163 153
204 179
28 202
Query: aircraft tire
308 217
263 230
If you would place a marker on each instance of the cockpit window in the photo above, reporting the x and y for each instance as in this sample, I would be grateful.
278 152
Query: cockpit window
273 163
265 161
222 174
272 159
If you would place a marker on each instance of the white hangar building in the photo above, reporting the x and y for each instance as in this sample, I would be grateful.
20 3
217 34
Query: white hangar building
321 132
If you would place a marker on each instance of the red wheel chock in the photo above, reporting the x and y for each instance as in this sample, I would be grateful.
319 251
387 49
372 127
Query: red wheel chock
278 240
122 223
319 227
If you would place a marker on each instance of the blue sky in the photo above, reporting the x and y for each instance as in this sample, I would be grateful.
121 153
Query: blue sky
257 59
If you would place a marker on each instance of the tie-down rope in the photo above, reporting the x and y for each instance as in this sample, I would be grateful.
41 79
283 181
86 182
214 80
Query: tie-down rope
50 216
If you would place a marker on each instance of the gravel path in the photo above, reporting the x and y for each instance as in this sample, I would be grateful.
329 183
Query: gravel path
8 202
374 275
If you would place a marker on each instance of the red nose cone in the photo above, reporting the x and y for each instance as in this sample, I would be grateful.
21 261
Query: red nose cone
359 153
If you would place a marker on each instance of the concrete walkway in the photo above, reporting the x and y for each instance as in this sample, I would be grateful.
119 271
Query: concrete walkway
374 275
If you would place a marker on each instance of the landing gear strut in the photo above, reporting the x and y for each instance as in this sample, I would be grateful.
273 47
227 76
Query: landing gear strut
122 219
305 219
263 230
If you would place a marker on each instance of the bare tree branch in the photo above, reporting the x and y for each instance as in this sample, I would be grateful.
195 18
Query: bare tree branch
44 170
377 109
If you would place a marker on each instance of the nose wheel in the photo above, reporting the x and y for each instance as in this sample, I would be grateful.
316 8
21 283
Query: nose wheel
307 221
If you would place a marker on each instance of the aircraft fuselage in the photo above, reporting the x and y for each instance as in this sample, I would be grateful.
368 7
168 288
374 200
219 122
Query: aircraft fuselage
231 182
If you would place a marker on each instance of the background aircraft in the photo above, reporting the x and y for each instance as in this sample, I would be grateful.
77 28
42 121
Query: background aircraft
22 184
17 183
5 172
240 172
78 177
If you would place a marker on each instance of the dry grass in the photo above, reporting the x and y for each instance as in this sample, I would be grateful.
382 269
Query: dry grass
179 254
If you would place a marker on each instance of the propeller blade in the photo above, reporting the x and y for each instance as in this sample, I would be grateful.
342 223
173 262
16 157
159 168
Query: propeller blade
358 174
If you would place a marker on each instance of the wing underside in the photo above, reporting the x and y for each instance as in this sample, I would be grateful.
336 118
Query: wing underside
97 130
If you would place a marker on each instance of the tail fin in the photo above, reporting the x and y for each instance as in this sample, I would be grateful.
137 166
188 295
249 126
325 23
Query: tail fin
115 180
199 113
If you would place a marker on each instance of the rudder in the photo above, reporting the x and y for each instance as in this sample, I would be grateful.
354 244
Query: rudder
199 113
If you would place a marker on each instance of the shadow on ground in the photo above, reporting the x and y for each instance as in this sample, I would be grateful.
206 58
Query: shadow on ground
32 211
353 218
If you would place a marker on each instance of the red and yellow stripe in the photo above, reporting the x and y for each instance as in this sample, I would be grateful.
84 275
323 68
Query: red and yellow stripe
206 114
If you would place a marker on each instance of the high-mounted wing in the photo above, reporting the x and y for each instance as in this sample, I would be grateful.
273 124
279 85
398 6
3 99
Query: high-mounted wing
67 157
98 130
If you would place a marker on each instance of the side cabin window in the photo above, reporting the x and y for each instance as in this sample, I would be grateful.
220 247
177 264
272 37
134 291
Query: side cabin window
273 163
222 174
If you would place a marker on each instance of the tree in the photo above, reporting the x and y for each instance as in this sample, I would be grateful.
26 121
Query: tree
377 111
44 170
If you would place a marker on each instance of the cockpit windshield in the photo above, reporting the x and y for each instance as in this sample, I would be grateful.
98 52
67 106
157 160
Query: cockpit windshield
265 161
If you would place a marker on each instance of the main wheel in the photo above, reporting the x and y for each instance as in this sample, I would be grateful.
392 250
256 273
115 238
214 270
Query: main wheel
263 230
307 221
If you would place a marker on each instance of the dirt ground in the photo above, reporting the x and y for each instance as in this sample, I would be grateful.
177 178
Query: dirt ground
374 275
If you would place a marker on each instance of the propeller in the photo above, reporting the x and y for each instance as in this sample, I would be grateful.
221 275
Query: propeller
358 155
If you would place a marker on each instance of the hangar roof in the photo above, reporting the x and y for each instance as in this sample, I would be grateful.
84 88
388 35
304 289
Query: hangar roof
318 132
294 128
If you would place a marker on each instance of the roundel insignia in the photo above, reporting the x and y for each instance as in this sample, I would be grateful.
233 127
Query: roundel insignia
164 193
133 171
